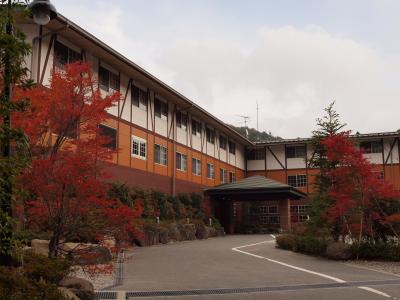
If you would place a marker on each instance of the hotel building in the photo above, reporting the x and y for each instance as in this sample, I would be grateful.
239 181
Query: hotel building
167 142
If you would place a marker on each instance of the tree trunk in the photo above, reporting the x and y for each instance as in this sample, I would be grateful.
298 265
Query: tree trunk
53 245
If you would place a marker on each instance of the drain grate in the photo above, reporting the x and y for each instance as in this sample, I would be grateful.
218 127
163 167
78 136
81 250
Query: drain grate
102 295
106 295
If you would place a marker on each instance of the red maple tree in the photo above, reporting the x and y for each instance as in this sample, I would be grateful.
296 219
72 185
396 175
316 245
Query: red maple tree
362 202
65 187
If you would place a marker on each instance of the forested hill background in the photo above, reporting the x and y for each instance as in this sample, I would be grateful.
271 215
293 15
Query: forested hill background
255 135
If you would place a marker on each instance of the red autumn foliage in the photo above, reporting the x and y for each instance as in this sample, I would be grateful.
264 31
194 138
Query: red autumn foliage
362 201
67 195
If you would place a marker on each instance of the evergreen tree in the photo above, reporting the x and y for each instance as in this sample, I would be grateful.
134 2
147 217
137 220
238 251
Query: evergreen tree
328 125
13 50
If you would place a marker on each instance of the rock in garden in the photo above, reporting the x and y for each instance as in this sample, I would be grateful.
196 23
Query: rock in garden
82 288
40 246
68 294
164 235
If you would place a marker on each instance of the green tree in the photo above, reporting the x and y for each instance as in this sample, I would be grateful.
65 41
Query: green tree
13 50
328 125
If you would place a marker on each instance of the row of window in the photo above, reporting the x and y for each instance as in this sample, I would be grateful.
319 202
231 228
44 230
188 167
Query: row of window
139 150
300 151
139 97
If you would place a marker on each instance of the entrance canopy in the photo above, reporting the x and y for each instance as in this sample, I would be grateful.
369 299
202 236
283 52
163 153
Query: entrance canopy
255 188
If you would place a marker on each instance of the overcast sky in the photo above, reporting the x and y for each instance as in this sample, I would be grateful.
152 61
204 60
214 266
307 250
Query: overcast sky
293 57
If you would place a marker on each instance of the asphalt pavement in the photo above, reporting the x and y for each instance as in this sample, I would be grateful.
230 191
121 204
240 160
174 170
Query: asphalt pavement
246 267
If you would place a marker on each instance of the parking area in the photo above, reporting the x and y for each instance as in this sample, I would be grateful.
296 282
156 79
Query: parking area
246 267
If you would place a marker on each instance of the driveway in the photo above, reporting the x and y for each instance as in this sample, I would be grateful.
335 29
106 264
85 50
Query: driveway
247 267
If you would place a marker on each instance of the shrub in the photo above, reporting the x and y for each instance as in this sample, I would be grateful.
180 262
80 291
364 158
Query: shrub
376 251
286 241
39 267
36 278
339 251
15 286
311 245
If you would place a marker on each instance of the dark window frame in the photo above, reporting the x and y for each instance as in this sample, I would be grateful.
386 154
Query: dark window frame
108 79
222 142
297 151
369 147
232 147
160 109
181 120
107 131
210 135
70 55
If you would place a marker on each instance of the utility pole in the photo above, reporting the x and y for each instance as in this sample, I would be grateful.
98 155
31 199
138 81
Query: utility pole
258 131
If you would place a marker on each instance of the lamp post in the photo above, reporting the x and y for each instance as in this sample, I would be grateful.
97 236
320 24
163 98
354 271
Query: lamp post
42 12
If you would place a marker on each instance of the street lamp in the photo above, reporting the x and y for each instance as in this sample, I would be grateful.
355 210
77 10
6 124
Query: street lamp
42 11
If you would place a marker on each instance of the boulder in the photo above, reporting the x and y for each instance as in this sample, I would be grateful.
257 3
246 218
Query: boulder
164 235
40 246
151 236
187 231
339 251
82 288
92 255
174 233
212 232
66 293
220 232
202 232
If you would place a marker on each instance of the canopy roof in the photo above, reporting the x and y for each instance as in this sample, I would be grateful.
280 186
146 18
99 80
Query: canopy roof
258 187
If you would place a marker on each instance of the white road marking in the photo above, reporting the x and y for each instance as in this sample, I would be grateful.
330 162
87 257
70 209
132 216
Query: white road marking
236 249
374 291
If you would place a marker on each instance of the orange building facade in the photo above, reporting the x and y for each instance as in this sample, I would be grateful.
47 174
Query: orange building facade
165 141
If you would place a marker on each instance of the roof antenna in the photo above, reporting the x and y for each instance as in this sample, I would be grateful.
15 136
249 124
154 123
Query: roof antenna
246 119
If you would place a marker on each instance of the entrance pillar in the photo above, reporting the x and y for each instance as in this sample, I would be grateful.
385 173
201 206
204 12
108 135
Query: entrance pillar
284 212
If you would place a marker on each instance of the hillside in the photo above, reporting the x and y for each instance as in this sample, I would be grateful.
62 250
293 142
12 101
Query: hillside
256 136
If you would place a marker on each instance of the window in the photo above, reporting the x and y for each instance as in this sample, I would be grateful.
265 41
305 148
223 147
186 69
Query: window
223 175
256 154
296 152
232 147
139 98
196 128
64 55
299 209
139 147
232 177
269 214
380 175
371 147
181 161
210 135
110 134
222 142
181 120
108 79
299 213
196 166
210 171
160 155
160 109
297 180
